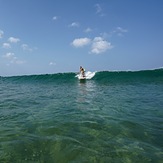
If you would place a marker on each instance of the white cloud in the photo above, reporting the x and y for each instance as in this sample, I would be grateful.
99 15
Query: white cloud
99 10
74 24
120 29
1 33
55 17
52 64
13 59
99 45
9 55
13 40
25 47
19 62
104 35
6 45
88 30
80 42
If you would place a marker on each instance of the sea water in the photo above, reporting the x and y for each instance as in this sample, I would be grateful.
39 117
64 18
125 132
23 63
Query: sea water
114 117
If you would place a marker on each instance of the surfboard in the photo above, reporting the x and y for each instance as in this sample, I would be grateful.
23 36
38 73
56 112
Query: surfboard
82 77
88 75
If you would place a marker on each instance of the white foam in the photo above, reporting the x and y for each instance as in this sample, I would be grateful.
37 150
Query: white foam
88 75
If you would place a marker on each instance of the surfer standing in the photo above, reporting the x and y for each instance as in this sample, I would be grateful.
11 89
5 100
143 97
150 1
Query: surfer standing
82 71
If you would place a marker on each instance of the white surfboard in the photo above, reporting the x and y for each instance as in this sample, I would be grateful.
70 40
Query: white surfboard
88 75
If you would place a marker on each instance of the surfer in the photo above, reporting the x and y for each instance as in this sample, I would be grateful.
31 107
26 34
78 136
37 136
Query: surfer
82 71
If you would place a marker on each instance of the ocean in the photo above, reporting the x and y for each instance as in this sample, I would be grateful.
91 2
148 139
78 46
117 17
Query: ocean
56 118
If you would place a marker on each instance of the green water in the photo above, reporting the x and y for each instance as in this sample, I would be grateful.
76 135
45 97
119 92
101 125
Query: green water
114 117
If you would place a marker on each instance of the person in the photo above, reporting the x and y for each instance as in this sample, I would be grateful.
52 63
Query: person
82 71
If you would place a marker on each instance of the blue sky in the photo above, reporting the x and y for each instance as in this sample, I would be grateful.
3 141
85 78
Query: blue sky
51 36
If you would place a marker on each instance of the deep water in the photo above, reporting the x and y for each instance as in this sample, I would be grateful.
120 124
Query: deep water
114 117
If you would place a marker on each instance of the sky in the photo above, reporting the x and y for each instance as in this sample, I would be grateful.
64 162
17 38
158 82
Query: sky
53 36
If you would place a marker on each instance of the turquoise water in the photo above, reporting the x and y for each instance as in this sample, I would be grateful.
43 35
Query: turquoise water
114 117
